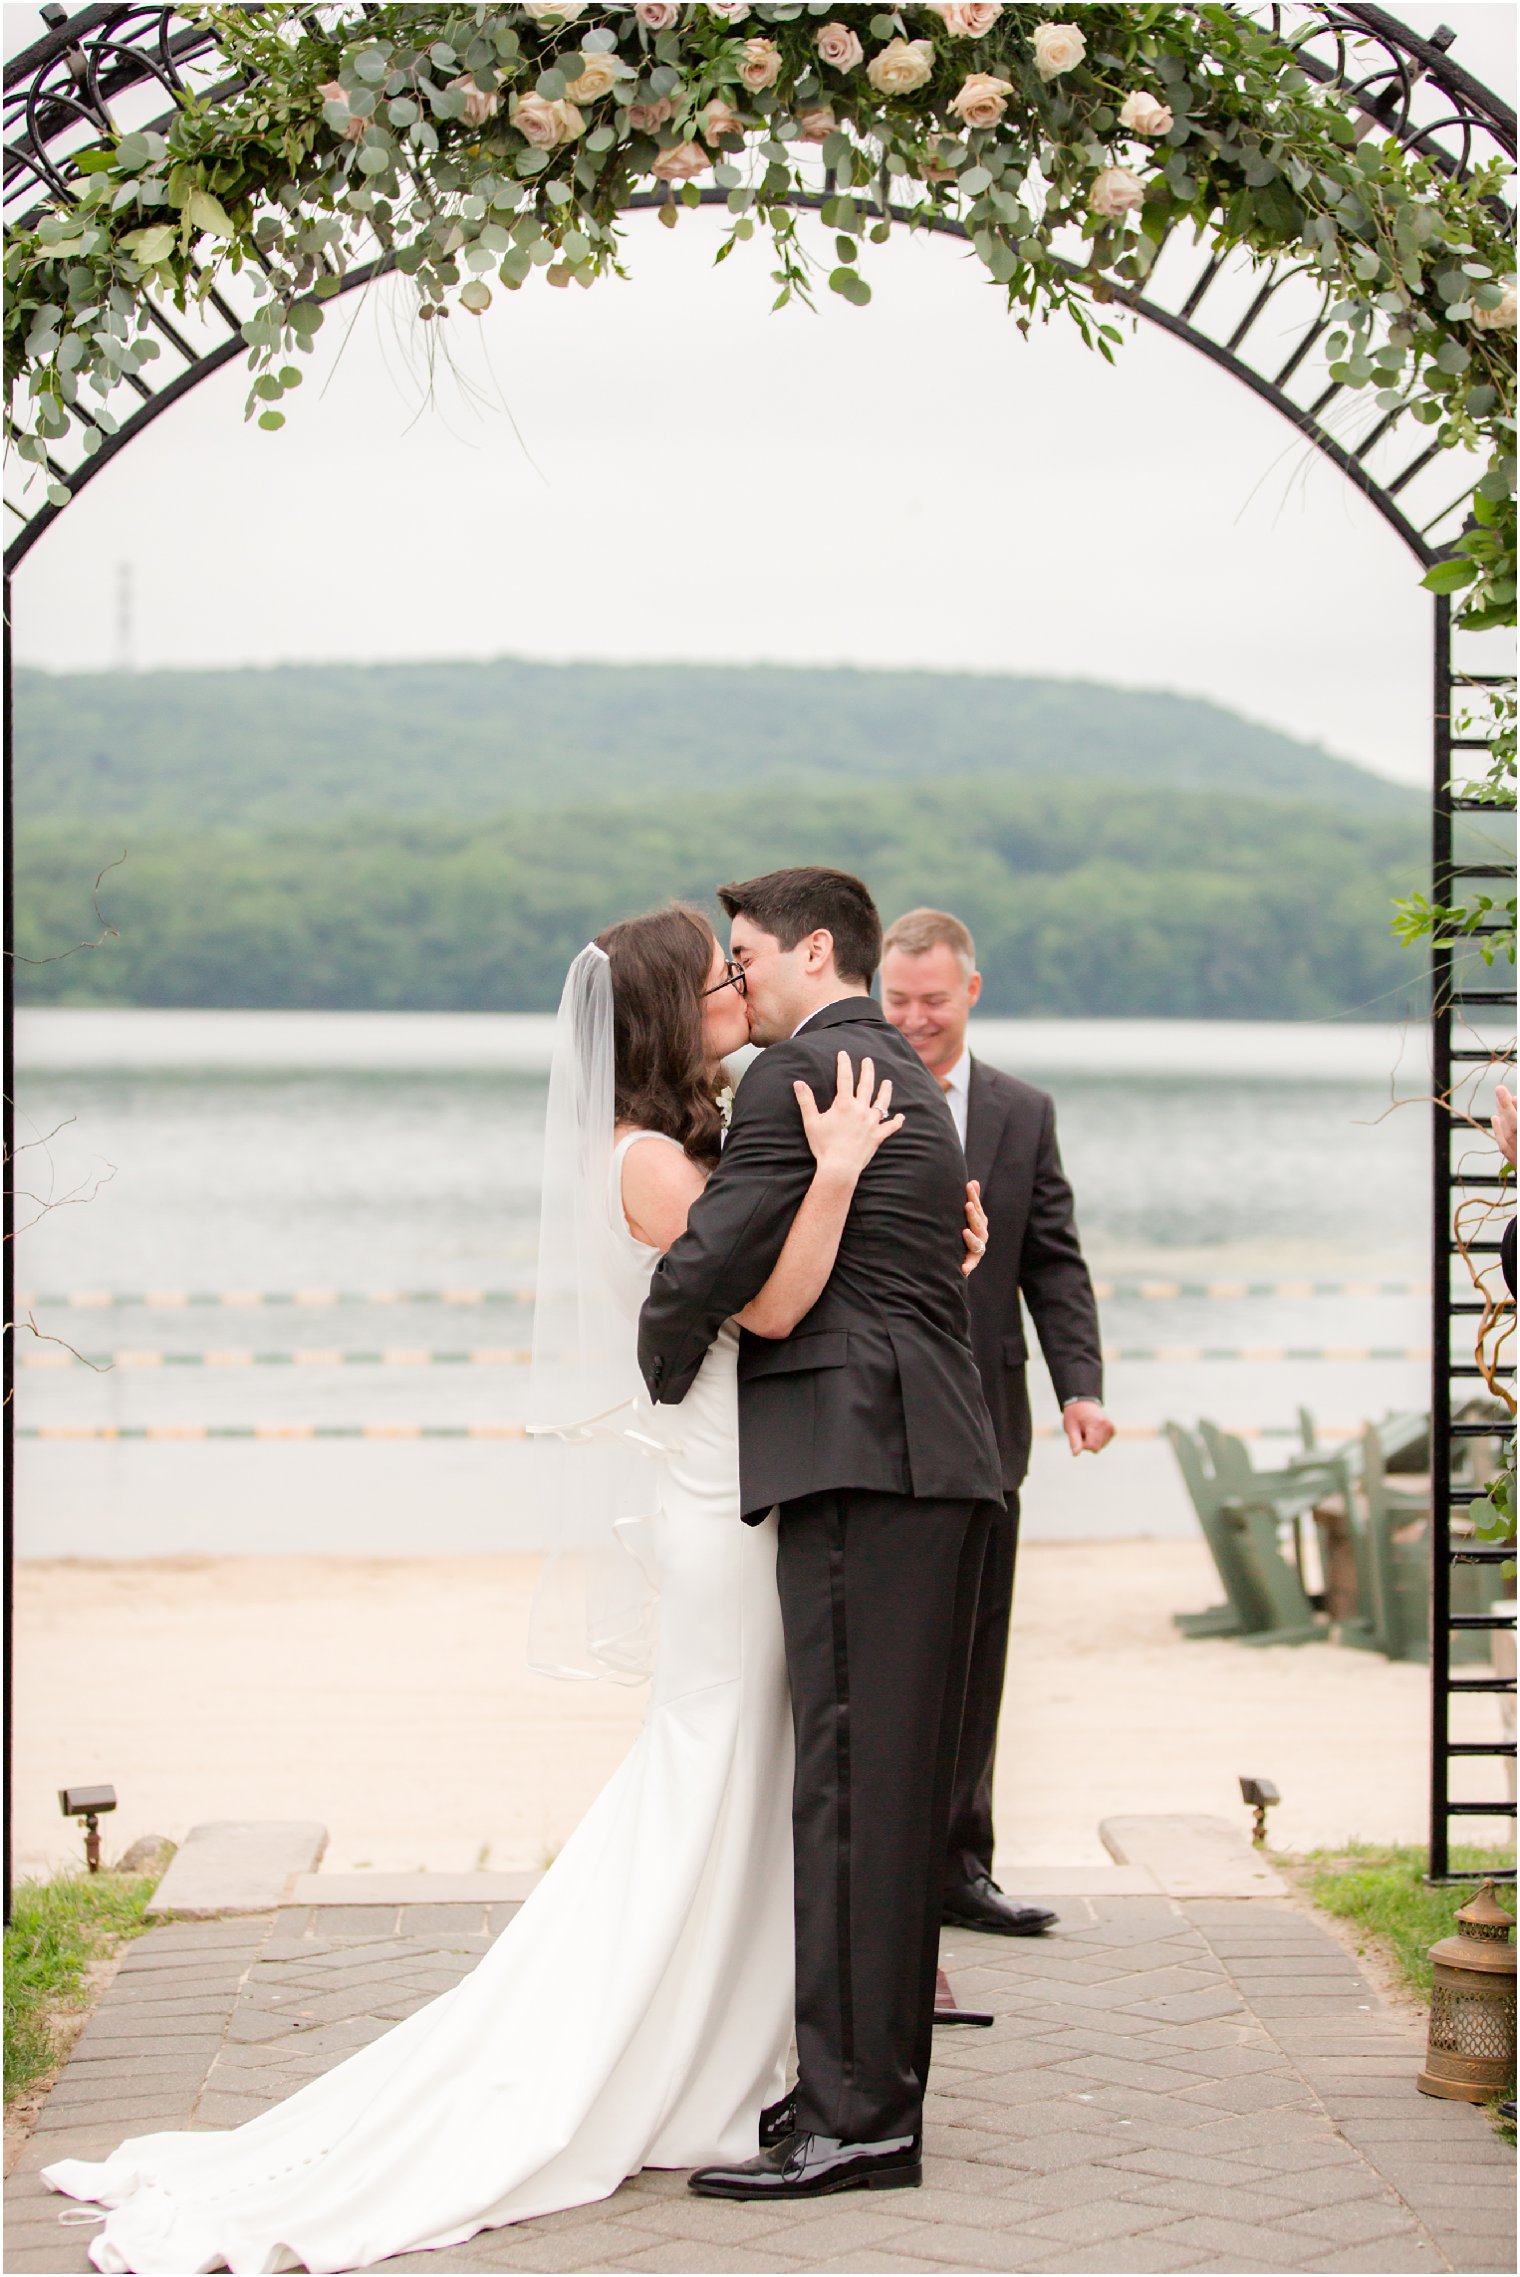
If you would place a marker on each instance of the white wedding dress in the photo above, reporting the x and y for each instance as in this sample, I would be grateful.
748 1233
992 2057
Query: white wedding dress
636 2012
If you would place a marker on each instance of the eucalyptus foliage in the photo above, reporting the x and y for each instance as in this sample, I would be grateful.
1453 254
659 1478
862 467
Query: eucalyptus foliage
473 145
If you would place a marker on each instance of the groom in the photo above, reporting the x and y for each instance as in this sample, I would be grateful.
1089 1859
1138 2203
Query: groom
868 1429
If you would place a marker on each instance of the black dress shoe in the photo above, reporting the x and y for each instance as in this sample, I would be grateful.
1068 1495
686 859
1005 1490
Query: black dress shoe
982 1905
814 2166
778 2120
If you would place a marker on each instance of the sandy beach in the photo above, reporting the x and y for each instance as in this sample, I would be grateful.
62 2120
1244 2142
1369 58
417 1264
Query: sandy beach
390 1700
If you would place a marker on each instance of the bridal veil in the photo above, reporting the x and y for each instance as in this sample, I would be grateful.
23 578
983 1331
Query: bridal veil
594 1486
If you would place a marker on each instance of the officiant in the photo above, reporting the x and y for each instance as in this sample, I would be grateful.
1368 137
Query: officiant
929 986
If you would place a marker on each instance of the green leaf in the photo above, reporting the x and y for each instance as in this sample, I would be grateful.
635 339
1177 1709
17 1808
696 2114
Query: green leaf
271 419
150 246
203 211
476 296
1449 576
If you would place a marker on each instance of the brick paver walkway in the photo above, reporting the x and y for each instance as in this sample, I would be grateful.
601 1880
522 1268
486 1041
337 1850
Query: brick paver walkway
1204 2085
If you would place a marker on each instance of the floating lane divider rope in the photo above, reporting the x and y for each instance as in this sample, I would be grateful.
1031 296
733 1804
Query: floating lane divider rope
171 1300
504 1356
186 1431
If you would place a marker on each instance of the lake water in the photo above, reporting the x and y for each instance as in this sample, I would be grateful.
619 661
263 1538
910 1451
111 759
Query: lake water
320 1158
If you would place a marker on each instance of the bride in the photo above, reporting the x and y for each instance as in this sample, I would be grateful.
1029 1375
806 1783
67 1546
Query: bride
638 2009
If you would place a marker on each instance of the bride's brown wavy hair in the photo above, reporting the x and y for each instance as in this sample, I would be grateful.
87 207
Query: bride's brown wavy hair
661 1076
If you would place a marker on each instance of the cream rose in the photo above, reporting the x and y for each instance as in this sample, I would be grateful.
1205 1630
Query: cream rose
681 162
720 118
971 22
728 11
545 124
1143 114
657 15
1057 48
352 129
598 75
554 11
901 66
839 47
1116 191
648 118
760 65
1500 318
983 99
817 123
478 105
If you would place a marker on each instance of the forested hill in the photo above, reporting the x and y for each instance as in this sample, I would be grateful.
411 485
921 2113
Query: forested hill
448 835
309 743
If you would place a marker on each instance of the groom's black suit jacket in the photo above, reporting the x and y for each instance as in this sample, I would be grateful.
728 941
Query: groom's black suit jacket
877 1387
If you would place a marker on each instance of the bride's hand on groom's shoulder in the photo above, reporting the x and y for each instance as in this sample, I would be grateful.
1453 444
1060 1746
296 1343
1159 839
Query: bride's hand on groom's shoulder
844 1136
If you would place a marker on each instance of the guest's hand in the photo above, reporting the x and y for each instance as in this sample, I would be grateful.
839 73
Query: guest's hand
1088 1430
975 1234
1504 1123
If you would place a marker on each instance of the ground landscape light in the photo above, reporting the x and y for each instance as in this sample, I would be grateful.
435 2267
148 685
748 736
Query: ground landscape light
1261 1795
88 1803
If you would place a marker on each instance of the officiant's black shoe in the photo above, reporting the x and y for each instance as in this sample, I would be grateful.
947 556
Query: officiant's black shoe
778 2120
982 1905
814 2166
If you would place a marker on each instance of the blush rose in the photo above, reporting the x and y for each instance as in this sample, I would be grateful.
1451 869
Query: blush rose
1116 191
901 67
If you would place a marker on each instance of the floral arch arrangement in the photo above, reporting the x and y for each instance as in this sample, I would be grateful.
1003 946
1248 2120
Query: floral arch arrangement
469 146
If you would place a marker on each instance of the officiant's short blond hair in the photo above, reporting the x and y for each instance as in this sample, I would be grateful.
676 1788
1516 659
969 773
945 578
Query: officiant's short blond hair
924 929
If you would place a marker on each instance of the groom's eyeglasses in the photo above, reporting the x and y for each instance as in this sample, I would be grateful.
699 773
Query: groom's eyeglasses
733 977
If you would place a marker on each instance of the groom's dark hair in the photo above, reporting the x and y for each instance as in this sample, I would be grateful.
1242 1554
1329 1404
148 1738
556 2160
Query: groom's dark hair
789 903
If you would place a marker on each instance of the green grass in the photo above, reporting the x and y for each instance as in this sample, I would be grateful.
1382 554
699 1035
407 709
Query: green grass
1382 1892
57 1929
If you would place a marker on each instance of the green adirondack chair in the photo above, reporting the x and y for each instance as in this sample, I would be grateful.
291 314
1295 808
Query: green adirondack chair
1264 1503
1245 1609
1395 1548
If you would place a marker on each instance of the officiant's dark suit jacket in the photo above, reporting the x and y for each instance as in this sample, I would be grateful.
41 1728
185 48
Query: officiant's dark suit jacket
1033 1253
878 1386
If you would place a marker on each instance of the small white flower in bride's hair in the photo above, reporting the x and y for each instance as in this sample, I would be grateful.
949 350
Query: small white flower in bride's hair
725 1104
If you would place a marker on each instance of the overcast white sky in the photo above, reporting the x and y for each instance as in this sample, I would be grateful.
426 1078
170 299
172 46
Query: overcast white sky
666 470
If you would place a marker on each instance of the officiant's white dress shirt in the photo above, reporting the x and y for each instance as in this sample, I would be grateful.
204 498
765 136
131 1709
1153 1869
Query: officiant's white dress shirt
957 1089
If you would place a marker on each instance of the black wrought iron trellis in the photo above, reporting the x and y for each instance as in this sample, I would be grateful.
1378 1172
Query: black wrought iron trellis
107 68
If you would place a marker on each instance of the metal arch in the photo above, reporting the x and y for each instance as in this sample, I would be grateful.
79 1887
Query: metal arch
59 98
59 94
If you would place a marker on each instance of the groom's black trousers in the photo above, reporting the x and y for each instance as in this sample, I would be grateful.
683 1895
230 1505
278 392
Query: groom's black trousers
878 1601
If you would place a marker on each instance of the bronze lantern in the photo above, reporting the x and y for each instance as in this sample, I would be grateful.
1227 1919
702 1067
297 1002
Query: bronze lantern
1471 2050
